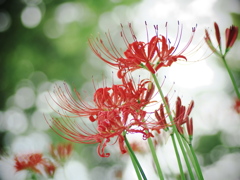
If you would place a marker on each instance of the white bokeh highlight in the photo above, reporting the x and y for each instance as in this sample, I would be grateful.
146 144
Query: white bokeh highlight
31 16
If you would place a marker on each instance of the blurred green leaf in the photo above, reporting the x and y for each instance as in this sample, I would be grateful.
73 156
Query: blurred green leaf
206 144
24 51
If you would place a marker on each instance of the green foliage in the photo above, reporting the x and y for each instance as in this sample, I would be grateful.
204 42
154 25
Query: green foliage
207 144
26 50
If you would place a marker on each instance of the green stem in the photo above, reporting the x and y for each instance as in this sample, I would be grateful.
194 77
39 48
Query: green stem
196 162
231 77
135 167
179 138
186 145
134 158
154 155
174 127
178 157
192 160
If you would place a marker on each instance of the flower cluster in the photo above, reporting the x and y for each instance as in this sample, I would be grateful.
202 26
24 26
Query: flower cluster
115 110
120 109
231 35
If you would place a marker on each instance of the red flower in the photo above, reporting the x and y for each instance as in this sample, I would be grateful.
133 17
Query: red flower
182 117
61 152
230 36
34 162
28 161
115 110
151 55
161 119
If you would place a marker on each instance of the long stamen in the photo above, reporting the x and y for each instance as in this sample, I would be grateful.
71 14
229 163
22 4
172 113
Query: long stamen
147 31
113 47
123 35
132 32
179 34
190 40
166 26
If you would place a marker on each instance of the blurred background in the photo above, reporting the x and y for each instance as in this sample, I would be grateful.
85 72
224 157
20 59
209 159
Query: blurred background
44 42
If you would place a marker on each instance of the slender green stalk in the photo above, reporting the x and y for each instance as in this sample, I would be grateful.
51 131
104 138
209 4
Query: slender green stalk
134 158
178 157
174 127
186 145
136 168
162 96
190 157
179 138
231 77
196 161
155 158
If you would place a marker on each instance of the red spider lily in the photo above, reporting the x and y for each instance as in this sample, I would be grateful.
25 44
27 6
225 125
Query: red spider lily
161 119
151 55
110 125
160 116
182 117
34 162
231 34
115 110
28 161
61 152
105 99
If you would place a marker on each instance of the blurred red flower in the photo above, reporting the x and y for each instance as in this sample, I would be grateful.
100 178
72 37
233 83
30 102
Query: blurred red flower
61 152
34 162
